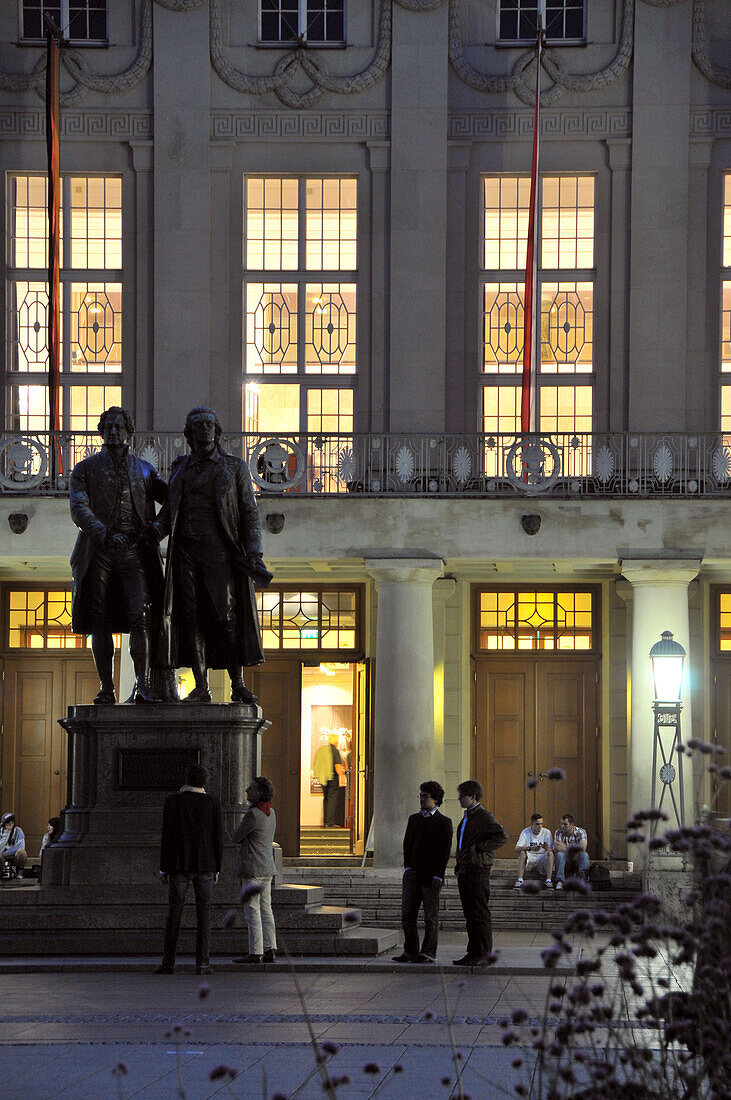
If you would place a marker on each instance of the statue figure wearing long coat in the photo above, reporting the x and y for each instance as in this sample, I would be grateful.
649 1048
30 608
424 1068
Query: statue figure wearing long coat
210 618
117 576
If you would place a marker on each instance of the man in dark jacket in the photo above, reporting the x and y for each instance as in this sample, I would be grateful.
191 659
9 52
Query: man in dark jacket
427 844
210 619
478 835
117 576
190 851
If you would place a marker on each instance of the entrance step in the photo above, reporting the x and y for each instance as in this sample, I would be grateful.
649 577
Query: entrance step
109 920
324 842
376 893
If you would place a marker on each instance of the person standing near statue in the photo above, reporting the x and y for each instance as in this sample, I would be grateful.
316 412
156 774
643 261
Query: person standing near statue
117 575
210 618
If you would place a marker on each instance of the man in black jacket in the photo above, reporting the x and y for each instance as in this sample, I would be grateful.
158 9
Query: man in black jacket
427 844
478 835
190 851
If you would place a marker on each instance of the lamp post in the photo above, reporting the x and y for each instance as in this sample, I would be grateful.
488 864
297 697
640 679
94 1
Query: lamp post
667 658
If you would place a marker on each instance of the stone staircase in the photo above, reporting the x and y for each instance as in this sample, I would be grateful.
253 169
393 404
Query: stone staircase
376 893
129 920
323 842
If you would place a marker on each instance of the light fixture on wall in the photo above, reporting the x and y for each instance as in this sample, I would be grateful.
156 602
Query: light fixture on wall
667 658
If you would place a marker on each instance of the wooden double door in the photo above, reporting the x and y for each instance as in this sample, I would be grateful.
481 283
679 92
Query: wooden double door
37 692
721 790
531 715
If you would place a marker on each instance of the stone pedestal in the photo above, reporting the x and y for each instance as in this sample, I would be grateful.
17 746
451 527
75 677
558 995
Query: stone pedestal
123 761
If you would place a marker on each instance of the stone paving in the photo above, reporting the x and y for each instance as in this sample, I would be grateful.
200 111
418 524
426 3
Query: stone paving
62 1033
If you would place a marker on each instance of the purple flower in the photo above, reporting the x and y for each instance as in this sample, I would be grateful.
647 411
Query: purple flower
705 747
509 1037
490 958
532 782
120 1070
555 773
725 772
280 1096
446 1081
229 919
550 956
577 885
221 1071
203 990
337 1081
531 886
329 1047
636 838
250 890
428 1015
351 916
519 1016
517 1063
398 1068
557 990
371 1067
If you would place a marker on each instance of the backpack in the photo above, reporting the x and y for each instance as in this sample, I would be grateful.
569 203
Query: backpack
599 877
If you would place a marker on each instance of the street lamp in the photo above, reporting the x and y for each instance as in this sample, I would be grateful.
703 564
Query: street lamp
667 658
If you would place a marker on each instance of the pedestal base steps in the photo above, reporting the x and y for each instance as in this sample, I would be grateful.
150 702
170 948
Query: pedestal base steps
129 920
376 892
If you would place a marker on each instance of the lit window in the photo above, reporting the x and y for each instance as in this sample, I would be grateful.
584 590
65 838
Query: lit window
91 301
41 619
300 300
79 21
726 312
724 621
566 249
313 619
518 20
535 620
314 21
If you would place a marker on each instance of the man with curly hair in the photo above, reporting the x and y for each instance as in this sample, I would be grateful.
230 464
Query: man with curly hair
117 575
255 870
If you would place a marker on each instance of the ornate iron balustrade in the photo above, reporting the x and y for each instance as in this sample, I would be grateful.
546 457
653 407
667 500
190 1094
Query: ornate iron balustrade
614 464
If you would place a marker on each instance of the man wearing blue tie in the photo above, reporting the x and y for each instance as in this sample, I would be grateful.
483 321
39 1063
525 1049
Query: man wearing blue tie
478 836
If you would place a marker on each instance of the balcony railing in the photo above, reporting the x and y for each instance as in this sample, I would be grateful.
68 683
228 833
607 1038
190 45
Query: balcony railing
613 464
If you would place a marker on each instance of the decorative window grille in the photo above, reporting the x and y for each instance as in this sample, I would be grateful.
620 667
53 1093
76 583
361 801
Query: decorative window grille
310 619
41 619
319 22
548 620
726 313
566 295
518 20
80 21
300 305
91 302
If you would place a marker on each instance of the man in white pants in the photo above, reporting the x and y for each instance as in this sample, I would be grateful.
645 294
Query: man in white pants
536 850
255 869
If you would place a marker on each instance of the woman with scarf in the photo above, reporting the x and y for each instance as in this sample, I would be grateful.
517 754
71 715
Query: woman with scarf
255 869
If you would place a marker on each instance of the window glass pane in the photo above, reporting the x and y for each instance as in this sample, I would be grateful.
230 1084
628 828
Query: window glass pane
331 224
566 410
500 413
271 328
28 222
566 327
96 327
536 620
724 623
272 408
28 326
42 620
96 222
271 224
329 418
726 327
33 12
726 414
330 328
87 403
27 408
308 619
503 328
506 221
727 221
568 222
497 620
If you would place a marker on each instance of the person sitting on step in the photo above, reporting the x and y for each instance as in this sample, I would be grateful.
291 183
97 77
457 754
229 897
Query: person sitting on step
536 850
569 844
13 856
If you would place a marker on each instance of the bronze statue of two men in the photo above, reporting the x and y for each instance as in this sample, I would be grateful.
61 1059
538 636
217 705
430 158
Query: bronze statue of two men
201 611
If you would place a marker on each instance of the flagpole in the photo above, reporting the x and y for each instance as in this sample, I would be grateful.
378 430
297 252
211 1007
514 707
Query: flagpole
531 313
54 243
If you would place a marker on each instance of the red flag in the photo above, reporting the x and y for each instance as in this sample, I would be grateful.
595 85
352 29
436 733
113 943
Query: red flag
528 402
54 234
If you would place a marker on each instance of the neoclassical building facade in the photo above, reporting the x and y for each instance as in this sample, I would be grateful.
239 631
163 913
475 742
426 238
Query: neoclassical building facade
312 215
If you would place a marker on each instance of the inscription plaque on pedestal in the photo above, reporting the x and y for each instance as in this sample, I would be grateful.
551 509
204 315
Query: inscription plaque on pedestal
153 769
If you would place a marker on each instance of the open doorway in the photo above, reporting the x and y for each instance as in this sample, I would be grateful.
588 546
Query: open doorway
327 742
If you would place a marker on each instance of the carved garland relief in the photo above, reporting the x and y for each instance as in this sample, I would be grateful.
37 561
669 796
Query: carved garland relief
303 60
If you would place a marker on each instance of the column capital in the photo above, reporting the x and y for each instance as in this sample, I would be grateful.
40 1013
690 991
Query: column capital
656 572
415 571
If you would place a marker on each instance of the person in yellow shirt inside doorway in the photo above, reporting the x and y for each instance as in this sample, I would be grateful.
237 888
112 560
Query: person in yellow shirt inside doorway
329 771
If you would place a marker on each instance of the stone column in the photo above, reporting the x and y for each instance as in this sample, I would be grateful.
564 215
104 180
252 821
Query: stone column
404 702
660 602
